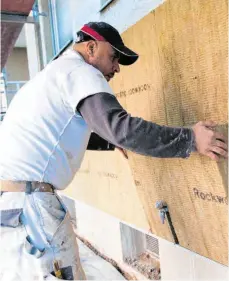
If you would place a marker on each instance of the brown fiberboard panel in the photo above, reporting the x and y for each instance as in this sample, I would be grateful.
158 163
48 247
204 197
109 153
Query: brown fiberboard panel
106 183
181 78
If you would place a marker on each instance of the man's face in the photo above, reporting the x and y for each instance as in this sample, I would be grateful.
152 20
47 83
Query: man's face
105 59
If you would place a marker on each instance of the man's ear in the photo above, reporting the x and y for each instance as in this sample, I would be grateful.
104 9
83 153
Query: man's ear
91 47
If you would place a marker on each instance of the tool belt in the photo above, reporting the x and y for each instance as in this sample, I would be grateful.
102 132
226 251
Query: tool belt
25 186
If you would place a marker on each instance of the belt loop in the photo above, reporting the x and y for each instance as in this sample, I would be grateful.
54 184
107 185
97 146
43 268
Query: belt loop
28 187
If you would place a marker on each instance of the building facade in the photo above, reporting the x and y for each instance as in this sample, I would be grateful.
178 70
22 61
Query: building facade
112 219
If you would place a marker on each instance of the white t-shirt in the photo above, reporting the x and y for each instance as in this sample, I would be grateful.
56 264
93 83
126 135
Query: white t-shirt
42 137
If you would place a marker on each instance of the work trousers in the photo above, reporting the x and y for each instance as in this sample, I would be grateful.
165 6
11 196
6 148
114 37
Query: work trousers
46 227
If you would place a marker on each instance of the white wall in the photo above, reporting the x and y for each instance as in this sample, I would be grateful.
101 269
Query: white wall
33 50
16 70
45 31
101 229
20 43
121 13
176 263
17 65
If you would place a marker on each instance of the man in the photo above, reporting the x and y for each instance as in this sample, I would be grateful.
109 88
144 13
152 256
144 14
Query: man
42 143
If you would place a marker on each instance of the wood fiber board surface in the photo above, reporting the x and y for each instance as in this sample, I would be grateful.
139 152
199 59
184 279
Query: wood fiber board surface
179 79
105 182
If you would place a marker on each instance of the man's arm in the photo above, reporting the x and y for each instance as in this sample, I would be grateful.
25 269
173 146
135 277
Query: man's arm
103 113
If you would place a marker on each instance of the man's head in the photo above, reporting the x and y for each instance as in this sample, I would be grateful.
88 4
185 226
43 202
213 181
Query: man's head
102 46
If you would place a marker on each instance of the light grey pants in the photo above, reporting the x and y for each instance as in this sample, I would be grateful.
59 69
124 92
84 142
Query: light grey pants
47 223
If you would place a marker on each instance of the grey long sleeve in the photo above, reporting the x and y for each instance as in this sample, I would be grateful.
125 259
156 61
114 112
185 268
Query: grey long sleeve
103 113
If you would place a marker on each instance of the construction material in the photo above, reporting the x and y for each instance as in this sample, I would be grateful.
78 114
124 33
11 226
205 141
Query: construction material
180 79
105 181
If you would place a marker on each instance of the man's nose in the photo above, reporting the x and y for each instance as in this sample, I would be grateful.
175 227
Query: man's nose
116 66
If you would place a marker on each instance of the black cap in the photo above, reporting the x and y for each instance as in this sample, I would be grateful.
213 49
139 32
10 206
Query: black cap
102 31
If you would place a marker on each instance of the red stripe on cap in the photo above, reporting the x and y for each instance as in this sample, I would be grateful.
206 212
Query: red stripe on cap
92 33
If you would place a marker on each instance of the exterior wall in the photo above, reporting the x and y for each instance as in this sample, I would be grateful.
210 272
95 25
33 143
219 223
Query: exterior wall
176 263
105 182
17 65
121 13
16 70
101 229
45 31
33 43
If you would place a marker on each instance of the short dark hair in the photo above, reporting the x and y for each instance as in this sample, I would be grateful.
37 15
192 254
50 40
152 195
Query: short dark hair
82 37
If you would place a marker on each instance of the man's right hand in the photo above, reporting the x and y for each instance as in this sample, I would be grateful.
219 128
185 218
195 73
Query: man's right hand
209 142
